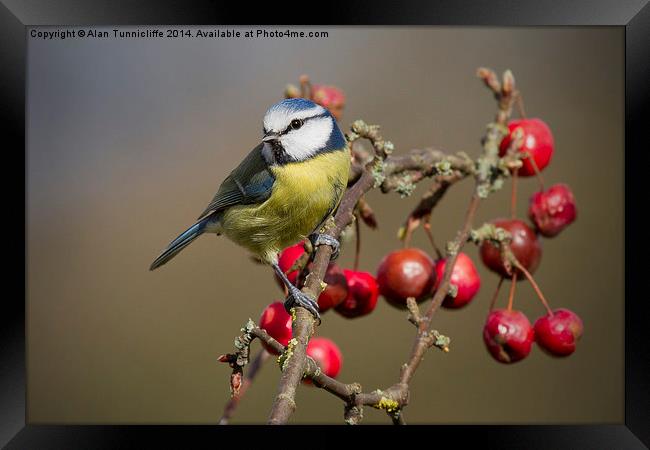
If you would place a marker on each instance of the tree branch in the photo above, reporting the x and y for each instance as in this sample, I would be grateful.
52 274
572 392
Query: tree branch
303 322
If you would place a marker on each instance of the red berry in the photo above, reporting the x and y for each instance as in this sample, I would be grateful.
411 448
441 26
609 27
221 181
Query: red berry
326 353
559 333
277 322
525 246
537 141
330 97
336 290
362 294
406 273
464 276
508 335
286 260
552 210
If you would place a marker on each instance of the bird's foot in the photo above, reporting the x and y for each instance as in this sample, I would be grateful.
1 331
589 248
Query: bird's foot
317 239
298 298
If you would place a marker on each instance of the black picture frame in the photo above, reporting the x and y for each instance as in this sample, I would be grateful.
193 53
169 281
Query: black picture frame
633 15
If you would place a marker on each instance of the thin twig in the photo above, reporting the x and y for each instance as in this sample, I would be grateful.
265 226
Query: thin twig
230 408
423 210
520 105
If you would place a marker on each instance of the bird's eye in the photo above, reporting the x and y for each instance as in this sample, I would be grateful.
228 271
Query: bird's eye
296 123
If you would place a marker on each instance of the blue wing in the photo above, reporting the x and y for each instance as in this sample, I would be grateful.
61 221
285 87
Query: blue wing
251 182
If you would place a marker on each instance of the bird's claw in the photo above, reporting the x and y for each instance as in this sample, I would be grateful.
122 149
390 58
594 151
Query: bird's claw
299 298
317 239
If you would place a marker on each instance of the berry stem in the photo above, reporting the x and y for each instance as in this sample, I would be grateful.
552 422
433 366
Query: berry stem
496 294
538 174
513 196
511 295
427 229
538 291
357 249
408 233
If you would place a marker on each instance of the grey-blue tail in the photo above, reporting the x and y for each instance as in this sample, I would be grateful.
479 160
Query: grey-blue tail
180 243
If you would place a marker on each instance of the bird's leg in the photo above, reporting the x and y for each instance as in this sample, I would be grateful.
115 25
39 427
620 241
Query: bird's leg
296 296
317 239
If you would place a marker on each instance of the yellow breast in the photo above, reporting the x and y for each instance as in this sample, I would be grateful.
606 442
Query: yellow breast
304 195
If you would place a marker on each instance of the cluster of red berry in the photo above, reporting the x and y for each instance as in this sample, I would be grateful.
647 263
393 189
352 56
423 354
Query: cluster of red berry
508 334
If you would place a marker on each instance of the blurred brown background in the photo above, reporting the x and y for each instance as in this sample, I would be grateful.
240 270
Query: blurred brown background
129 139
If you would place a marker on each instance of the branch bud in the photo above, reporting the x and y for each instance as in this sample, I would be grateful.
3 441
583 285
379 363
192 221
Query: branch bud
235 382
489 78
508 82
444 168
414 312
305 87
227 358
291 91
366 213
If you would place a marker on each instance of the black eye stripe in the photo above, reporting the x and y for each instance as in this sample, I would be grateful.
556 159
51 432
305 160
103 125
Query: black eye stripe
286 130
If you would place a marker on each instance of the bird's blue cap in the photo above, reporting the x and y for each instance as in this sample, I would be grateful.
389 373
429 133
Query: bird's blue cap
294 105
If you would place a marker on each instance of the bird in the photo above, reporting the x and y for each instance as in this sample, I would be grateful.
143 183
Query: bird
283 192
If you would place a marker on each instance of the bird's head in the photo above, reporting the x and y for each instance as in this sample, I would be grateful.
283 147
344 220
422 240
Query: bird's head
297 129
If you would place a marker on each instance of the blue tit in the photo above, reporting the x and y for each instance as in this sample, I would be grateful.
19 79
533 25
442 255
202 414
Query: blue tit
282 192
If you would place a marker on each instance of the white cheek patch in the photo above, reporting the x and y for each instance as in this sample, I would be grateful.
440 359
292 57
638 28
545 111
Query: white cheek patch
304 142
278 120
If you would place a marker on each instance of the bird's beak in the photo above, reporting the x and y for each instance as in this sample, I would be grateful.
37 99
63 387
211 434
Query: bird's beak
268 137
